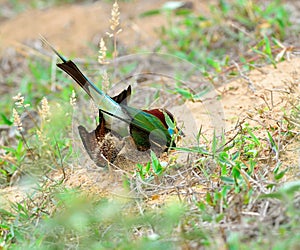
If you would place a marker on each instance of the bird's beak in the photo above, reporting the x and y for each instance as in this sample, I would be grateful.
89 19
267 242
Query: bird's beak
179 134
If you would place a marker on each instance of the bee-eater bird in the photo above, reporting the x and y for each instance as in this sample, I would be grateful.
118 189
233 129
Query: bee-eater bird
147 127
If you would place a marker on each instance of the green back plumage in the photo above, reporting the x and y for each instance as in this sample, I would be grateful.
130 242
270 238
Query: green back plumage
144 125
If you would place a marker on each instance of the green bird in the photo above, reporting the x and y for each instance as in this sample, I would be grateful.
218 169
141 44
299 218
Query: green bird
146 127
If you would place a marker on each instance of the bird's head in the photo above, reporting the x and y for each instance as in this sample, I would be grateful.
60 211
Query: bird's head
168 120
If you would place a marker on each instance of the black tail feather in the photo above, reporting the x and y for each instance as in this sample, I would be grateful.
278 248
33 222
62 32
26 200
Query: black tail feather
72 70
53 49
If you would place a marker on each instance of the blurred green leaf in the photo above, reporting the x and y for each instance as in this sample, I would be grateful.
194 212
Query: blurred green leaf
6 120
286 190
150 13
185 93
156 166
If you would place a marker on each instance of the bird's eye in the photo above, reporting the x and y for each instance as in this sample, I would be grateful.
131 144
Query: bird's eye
171 131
